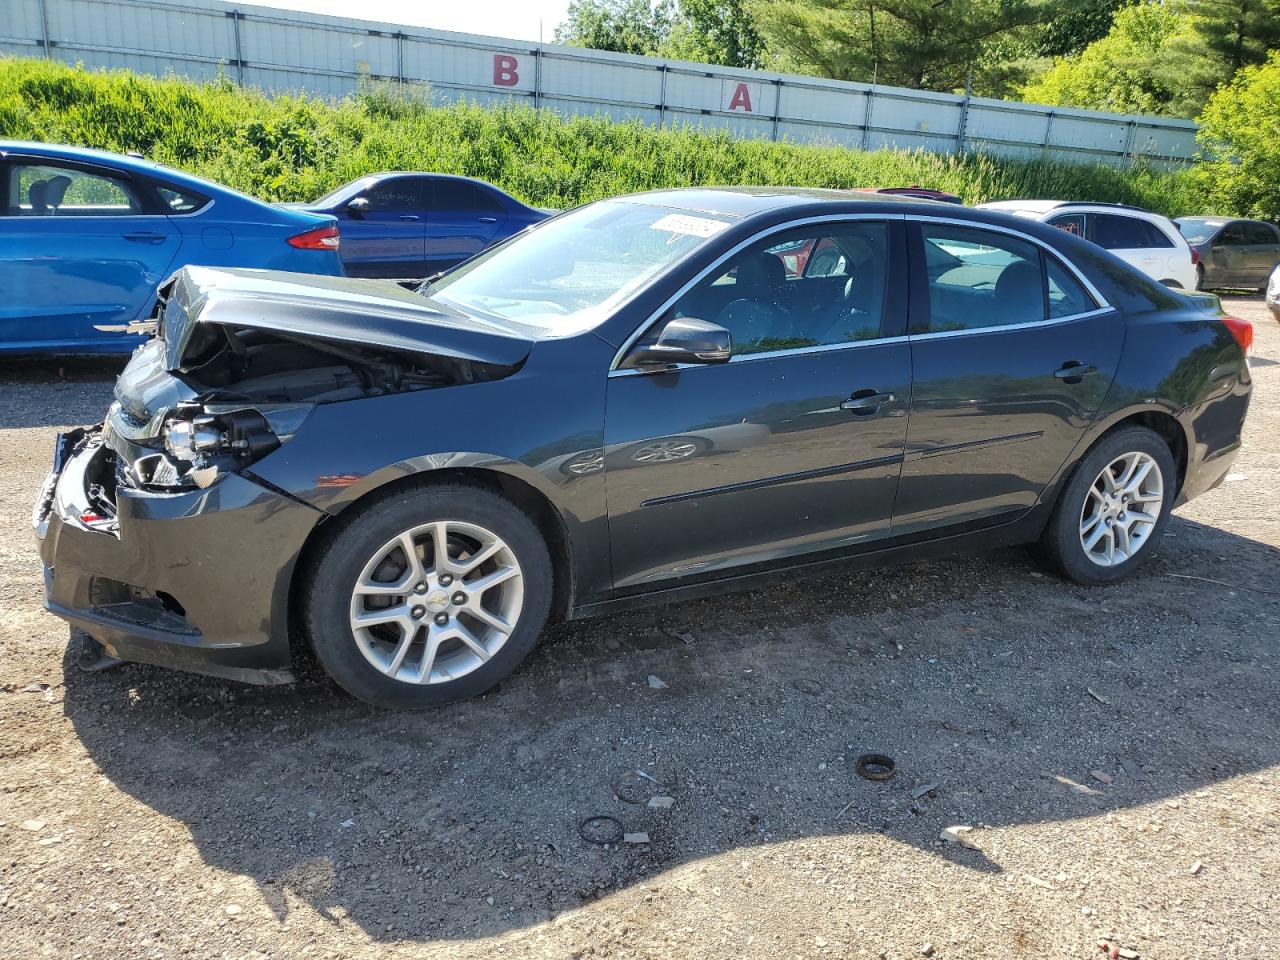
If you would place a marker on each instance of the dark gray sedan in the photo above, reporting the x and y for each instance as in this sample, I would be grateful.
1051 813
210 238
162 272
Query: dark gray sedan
1232 253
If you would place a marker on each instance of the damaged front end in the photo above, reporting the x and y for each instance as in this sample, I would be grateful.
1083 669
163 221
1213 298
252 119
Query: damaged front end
144 520
242 357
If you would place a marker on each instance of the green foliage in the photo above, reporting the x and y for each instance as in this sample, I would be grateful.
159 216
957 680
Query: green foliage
715 31
294 148
910 43
1163 58
1138 67
705 31
1240 128
622 26
1077 26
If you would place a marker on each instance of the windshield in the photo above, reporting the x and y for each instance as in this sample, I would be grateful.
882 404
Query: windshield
1199 231
570 273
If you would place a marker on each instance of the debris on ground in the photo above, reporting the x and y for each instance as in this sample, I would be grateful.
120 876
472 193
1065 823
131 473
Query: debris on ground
1097 696
1075 786
959 833
35 826
638 837
921 790
1196 867
661 803
1102 776
875 766
656 683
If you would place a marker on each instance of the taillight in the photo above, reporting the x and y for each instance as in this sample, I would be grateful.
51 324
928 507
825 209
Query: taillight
1195 257
1242 330
317 238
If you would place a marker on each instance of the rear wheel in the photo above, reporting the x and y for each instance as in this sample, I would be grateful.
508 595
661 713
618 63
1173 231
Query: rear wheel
430 596
1114 509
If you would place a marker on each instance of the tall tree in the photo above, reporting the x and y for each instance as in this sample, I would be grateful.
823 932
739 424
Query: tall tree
1077 25
928 44
1141 66
715 31
1228 35
622 26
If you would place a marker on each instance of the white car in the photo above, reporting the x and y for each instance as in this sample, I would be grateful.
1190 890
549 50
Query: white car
1273 293
1146 240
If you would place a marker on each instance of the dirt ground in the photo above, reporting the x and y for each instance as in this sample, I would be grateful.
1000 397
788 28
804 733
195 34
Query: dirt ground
1116 752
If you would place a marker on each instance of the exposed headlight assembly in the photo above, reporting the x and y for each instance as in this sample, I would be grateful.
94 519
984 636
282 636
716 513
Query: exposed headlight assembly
202 441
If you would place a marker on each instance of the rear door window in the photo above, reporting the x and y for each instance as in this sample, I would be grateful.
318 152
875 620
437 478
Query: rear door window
979 279
1067 297
1260 233
40 190
1117 232
462 196
1072 223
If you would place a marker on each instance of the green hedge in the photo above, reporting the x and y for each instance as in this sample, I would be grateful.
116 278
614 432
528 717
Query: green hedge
296 148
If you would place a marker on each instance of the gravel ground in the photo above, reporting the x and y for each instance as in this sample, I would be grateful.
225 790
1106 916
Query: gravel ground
1115 751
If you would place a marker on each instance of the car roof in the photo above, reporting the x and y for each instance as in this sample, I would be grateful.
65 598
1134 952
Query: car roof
744 202
118 161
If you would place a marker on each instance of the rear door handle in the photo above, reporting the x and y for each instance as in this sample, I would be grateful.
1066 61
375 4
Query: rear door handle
488 219
1073 371
866 401
409 216
145 236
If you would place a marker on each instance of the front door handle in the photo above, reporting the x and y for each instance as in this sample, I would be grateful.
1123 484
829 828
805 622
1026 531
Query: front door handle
488 219
1073 371
145 236
866 401
412 217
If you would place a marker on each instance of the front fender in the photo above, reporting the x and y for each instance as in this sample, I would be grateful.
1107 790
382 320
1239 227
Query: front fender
526 427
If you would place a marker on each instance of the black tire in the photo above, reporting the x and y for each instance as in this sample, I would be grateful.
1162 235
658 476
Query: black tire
1060 548
331 578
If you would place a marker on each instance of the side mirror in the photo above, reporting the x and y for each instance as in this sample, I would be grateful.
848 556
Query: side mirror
358 206
684 340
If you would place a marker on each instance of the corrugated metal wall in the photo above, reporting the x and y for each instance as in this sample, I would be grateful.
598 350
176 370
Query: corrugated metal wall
281 50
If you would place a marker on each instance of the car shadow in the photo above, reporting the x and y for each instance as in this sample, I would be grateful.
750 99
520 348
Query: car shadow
1020 697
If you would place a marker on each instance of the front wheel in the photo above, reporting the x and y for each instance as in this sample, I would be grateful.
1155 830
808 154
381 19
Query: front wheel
429 596
1114 509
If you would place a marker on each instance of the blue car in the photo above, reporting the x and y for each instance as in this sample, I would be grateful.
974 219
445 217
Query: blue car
86 236
413 225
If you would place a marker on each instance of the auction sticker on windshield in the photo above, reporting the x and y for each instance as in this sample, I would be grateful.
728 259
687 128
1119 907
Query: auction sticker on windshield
688 226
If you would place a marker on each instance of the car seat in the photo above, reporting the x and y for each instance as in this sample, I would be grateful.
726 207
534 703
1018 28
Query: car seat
55 191
1019 294
35 196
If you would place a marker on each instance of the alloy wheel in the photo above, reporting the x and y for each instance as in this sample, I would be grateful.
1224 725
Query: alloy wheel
436 602
1121 509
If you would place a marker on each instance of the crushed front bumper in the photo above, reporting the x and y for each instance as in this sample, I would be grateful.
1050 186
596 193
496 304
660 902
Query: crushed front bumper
194 580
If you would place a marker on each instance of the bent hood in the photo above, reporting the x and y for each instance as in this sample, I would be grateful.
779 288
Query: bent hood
376 313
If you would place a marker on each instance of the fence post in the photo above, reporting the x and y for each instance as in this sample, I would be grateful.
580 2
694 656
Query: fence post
1048 129
1127 159
537 76
964 112
662 98
235 21
777 107
866 117
400 58
44 28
